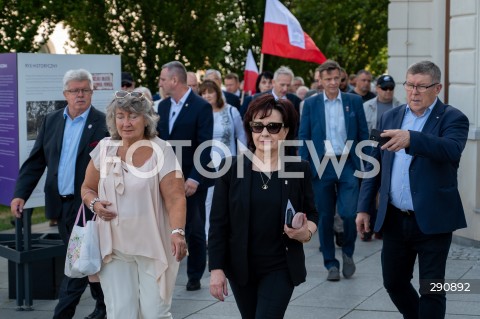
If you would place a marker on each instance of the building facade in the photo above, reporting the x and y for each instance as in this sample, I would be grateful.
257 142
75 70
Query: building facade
446 32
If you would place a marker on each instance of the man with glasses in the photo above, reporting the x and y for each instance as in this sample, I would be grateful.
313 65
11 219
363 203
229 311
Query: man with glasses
383 102
374 110
63 144
330 120
419 205
128 84
344 86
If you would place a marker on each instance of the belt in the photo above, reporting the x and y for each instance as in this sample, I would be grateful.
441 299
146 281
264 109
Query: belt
406 212
66 198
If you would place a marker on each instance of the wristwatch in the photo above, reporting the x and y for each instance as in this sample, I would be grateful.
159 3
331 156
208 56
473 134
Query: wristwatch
178 231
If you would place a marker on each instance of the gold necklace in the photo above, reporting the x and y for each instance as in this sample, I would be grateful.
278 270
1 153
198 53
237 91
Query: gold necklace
264 186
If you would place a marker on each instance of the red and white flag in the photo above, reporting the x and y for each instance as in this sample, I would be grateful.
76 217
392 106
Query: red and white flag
250 74
283 35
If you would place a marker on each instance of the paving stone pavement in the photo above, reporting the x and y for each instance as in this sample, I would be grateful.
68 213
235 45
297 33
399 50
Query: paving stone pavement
361 297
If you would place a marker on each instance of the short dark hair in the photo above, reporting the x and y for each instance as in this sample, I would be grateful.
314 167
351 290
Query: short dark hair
328 66
232 76
210 85
263 106
265 74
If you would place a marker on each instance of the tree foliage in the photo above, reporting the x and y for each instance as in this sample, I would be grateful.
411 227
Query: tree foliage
201 34
26 25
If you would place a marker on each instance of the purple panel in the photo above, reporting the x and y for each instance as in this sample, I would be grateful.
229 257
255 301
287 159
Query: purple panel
9 143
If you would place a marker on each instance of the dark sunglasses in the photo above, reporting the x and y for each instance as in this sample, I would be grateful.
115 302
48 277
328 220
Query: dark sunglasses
124 94
272 128
126 84
389 88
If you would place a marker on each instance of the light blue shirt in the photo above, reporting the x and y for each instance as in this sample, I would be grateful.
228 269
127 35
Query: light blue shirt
335 129
400 194
175 109
68 157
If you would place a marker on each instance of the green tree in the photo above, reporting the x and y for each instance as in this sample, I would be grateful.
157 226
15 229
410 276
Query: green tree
26 25
149 33
201 34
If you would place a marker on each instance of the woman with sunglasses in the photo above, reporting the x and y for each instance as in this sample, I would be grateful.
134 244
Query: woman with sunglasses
134 185
252 240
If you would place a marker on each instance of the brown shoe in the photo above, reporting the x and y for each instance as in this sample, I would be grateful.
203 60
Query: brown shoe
53 222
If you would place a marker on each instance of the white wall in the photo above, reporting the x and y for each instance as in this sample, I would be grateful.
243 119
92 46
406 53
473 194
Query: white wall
417 32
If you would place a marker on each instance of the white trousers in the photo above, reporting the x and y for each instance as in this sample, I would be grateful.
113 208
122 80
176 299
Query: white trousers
130 292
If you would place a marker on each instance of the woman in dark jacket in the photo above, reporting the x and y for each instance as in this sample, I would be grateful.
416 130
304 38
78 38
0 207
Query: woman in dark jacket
249 241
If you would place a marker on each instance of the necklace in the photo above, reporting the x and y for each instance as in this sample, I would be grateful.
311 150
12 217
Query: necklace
264 186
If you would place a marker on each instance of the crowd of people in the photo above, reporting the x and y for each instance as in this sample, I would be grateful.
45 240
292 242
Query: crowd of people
200 164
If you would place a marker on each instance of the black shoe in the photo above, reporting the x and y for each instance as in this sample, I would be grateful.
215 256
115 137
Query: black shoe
339 239
98 313
193 285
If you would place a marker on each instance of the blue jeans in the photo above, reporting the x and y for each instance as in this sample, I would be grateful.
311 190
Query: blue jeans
341 193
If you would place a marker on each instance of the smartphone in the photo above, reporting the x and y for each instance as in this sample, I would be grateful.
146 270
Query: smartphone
375 136
289 217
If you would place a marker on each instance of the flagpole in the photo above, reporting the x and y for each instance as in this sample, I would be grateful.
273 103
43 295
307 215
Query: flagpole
261 64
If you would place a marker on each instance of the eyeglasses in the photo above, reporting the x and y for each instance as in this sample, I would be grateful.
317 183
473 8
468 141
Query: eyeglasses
76 91
124 94
272 128
126 84
389 88
420 88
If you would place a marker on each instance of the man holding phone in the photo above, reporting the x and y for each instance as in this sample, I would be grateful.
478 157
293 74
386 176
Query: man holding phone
419 204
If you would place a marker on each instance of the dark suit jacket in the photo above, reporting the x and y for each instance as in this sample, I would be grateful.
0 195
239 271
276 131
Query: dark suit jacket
312 126
194 124
232 99
436 152
229 220
46 153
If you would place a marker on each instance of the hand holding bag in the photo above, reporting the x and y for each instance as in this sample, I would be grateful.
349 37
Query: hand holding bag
83 251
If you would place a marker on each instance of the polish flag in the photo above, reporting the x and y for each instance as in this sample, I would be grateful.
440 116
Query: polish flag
283 35
250 74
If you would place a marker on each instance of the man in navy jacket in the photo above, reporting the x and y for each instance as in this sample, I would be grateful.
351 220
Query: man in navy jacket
419 204
186 117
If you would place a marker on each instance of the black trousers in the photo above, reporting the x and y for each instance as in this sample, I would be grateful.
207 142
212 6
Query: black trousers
71 289
195 235
264 297
403 242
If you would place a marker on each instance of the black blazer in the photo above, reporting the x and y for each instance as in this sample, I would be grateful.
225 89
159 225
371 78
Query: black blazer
193 124
232 99
46 153
229 220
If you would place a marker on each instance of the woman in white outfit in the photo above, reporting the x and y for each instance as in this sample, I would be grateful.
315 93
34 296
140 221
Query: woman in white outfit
135 186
